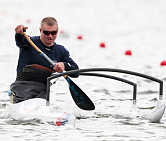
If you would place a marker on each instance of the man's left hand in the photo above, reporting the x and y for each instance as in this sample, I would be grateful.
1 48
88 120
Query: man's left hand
59 67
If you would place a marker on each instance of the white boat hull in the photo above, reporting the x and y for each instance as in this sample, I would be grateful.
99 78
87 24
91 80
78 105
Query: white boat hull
36 108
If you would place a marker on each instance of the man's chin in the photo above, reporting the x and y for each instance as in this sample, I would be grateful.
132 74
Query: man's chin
49 42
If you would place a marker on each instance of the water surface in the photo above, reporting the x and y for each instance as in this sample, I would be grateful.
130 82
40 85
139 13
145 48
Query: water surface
138 25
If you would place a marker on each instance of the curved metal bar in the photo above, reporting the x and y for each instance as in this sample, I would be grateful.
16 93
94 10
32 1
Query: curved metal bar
107 70
116 78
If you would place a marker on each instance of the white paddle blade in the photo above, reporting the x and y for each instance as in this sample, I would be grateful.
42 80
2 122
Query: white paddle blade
156 114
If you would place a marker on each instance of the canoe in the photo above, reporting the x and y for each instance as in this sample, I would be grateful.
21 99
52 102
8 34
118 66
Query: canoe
36 109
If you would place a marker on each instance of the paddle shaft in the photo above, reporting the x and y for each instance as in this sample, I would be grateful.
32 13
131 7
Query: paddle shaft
39 51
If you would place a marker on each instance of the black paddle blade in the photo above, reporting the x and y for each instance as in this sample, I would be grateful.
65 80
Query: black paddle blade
79 97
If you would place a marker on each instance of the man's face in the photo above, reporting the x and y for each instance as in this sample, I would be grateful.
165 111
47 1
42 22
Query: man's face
48 39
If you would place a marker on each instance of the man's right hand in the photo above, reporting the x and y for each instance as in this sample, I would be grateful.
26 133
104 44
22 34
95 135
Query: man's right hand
19 29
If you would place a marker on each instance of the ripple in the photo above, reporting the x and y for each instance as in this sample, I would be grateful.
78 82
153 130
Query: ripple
132 122
148 92
123 91
105 91
33 122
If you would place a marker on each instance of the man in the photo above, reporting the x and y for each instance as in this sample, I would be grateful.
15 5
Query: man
32 68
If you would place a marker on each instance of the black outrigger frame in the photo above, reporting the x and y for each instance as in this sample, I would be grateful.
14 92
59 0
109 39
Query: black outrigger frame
84 72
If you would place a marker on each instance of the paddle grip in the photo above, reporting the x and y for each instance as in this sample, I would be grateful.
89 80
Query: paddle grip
24 30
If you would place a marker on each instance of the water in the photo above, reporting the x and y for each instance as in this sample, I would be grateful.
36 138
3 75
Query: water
138 25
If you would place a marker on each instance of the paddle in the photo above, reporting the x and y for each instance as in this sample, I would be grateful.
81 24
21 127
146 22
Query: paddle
79 97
